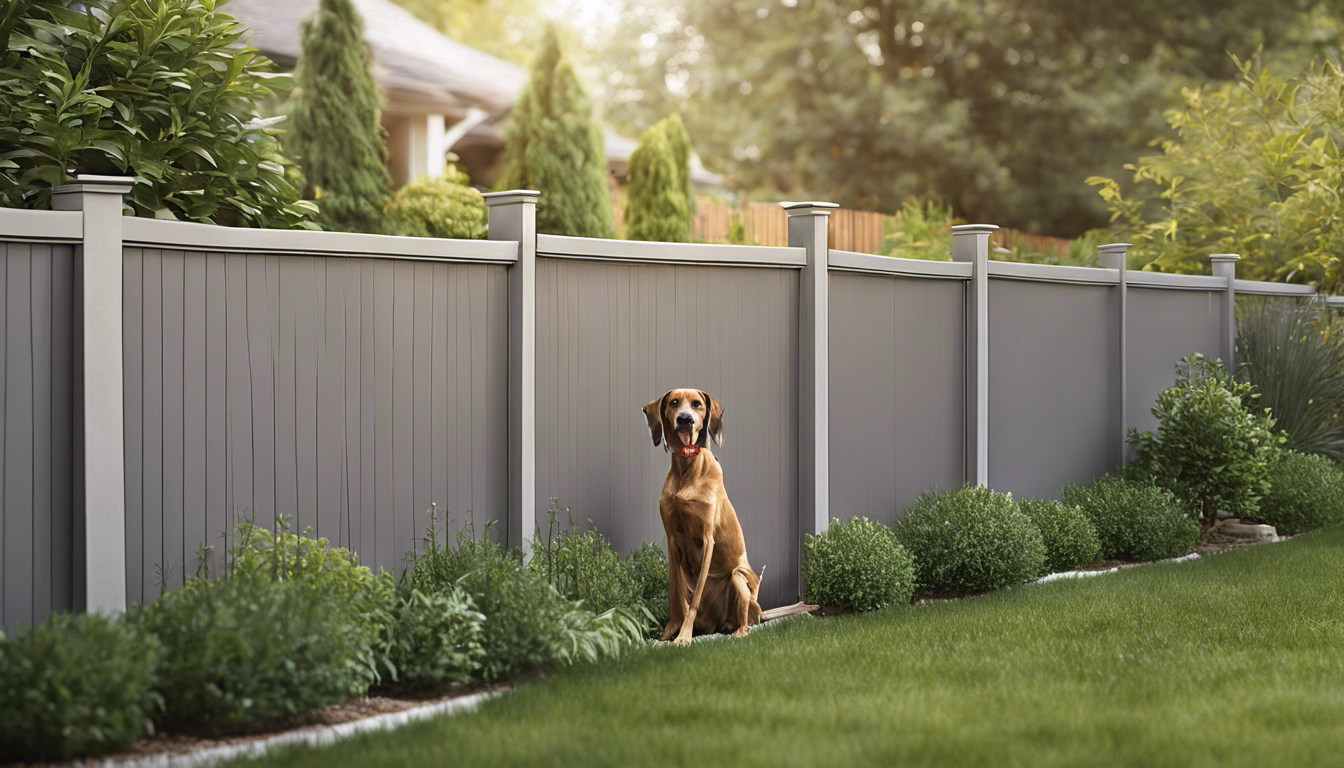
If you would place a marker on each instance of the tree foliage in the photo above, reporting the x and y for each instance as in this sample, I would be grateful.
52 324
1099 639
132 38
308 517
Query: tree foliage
338 135
553 145
161 91
998 108
1256 168
656 206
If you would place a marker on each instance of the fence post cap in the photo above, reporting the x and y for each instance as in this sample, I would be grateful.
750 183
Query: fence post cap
798 208
974 229
510 196
1222 258
108 185
1114 247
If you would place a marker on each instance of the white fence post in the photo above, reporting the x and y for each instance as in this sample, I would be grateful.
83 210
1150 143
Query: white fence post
1116 256
808 230
100 449
513 216
1225 266
970 243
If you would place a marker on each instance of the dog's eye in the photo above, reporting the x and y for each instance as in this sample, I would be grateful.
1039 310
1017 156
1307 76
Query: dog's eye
695 403
675 402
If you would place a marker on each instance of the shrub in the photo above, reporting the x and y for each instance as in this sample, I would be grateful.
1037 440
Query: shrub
528 625
446 206
1210 450
161 91
648 568
1306 492
1293 355
553 144
76 684
656 208
435 641
1135 520
582 565
1069 536
338 134
970 540
858 564
241 650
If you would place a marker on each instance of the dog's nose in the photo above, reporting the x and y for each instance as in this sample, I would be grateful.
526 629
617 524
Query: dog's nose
685 419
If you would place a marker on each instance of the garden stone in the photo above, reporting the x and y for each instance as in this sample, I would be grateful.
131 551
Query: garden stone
1257 531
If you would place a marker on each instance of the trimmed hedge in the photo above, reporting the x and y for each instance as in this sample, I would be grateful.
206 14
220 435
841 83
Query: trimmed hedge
1306 492
970 540
858 564
76 684
1069 536
1135 520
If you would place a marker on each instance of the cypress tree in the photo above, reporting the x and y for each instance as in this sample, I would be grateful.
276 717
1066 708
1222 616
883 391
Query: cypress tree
337 134
680 143
553 145
656 207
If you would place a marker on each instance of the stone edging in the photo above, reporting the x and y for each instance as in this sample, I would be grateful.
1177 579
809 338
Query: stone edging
313 736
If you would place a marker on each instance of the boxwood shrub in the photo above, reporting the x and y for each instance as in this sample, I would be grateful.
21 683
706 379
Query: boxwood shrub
435 641
1069 536
970 540
1306 492
1135 520
858 564
76 684
648 568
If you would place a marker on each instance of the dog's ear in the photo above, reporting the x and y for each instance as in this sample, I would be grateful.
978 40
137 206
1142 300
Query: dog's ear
713 419
653 412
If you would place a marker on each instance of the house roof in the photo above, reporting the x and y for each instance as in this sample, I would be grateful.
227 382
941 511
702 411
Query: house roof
413 62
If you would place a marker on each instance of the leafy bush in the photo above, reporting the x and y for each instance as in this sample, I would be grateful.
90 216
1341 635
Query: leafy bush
1210 450
648 568
161 91
582 565
1293 355
1306 492
656 208
970 540
436 640
446 206
1253 169
858 564
76 684
1135 520
1069 536
241 650
528 625
919 231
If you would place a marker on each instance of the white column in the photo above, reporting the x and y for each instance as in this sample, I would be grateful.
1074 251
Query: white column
1225 266
970 243
1116 256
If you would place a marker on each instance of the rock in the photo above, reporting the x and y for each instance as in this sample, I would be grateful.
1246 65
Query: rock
1257 531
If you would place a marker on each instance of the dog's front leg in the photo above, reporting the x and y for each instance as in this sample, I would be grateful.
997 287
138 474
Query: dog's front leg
676 593
688 621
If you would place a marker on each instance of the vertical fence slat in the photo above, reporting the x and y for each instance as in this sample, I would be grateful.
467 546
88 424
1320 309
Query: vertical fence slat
173 423
18 436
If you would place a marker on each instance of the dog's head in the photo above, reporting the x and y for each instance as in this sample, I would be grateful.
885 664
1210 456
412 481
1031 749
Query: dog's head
685 418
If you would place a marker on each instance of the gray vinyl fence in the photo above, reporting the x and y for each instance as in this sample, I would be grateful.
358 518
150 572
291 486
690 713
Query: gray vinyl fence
163 381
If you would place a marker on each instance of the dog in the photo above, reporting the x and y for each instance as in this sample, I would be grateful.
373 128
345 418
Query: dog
713 588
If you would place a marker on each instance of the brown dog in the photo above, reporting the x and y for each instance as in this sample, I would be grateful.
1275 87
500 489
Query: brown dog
713 588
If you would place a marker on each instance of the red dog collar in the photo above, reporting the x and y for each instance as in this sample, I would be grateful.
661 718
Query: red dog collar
689 451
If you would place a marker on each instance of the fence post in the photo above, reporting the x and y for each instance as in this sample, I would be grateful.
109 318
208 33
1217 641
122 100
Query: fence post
100 431
970 243
1116 256
1225 265
513 216
808 230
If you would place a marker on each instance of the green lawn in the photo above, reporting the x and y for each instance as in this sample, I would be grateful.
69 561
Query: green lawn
1235 659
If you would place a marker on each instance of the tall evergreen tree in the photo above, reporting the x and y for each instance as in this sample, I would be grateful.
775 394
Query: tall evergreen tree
553 145
679 141
337 134
656 206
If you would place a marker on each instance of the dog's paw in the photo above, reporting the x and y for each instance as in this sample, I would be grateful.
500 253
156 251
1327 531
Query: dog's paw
682 640
741 632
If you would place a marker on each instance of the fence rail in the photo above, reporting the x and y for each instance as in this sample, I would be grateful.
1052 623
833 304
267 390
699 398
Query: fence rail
161 379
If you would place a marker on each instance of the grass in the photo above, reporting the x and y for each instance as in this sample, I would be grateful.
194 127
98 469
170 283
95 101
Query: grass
1235 659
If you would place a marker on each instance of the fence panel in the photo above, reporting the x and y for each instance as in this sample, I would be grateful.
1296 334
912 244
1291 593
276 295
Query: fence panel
36 445
345 393
613 336
1054 385
1164 326
898 391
